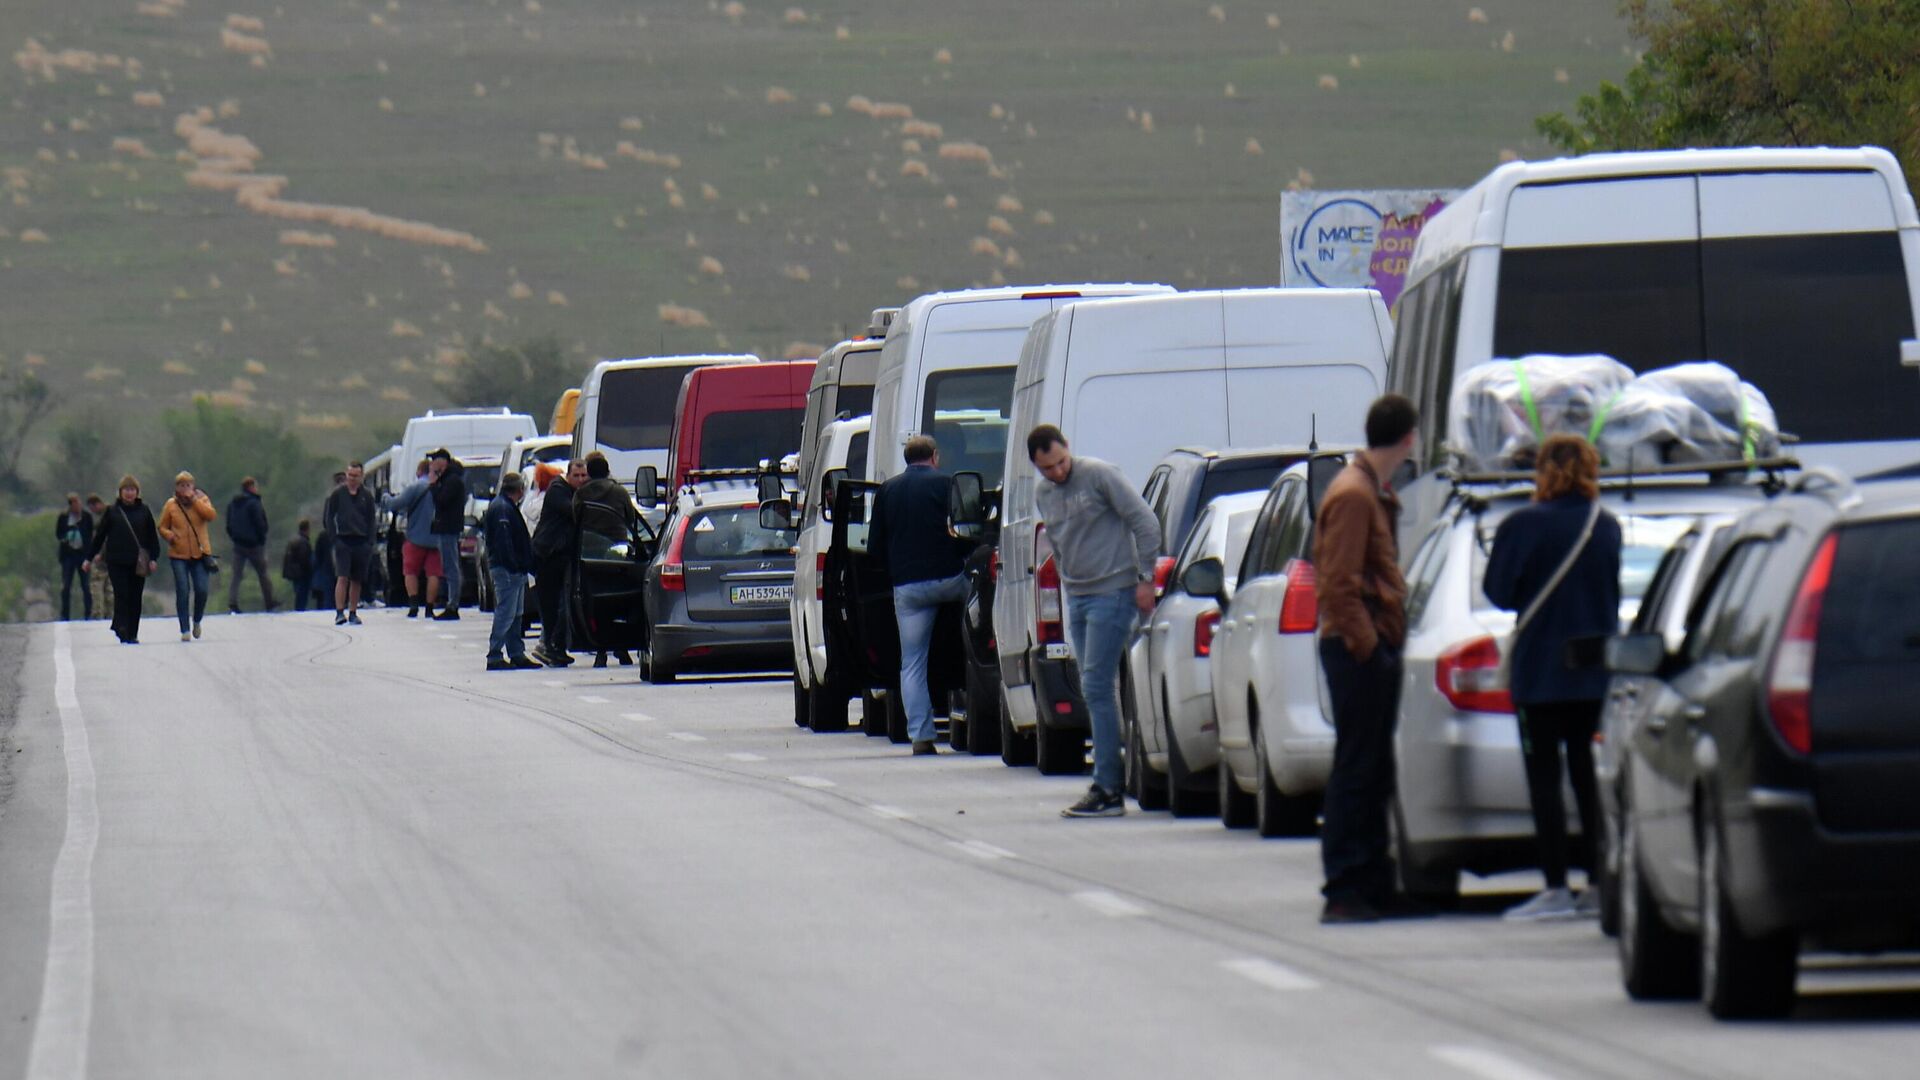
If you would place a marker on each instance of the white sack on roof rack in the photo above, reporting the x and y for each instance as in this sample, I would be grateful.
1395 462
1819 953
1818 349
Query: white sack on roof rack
1688 414
1503 410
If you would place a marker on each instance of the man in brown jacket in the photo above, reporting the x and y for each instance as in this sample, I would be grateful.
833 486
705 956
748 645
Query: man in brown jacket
1363 626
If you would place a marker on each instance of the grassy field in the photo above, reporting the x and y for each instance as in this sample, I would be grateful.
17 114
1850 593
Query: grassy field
1129 139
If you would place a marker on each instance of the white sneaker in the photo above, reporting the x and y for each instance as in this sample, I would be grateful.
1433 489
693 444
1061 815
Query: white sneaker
1549 905
184 636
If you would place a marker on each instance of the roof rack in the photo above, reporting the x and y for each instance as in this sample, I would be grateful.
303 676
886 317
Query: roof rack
1772 466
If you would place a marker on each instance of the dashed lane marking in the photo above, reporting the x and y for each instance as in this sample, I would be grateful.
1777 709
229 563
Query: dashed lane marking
590 699
1110 904
813 781
1269 974
637 717
980 849
1487 1064
557 684
686 736
63 1025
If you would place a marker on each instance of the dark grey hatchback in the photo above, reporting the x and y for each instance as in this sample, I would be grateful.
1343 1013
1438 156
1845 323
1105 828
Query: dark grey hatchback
717 595
1771 767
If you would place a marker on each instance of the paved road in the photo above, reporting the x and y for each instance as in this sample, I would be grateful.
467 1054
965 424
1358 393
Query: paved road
323 852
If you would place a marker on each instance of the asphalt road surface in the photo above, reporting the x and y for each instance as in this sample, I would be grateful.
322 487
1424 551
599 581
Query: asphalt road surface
295 850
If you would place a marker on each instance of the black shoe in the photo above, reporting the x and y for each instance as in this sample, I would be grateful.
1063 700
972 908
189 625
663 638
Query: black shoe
354 618
272 605
1097 803
625 658
922 749
339 618
233 611
413 611
522 663
496 664
449 615
600 660
1340 912
561 660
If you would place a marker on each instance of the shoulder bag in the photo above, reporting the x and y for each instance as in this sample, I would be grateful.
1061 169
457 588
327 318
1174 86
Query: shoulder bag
143 559
1504 678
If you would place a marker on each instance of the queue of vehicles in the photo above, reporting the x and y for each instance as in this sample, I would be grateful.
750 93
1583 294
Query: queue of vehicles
1756 778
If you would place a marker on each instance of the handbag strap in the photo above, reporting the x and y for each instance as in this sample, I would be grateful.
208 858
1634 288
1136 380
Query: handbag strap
1560 574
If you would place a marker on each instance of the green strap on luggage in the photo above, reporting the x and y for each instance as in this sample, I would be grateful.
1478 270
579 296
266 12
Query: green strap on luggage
1526 398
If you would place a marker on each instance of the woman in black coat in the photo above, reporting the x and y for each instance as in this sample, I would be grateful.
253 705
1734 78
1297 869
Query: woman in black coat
130 546
1558 703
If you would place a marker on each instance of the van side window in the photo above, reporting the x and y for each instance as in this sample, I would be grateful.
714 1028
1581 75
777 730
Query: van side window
1275 552
1648 619
1290 542
1427 326
1704 617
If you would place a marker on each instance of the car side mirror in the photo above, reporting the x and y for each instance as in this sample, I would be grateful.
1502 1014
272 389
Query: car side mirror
1321 472
1636 654
776 515
829 485
770 488
967 504
1205 580
646 487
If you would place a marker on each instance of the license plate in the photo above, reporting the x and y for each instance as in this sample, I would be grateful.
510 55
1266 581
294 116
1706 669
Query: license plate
759 594
1059 651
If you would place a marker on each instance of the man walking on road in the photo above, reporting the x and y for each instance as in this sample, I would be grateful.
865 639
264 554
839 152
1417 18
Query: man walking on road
73 532
553 557
449 520
420 551
348 519
99 586
510 551
247 528
1363 625
912 538
1105 542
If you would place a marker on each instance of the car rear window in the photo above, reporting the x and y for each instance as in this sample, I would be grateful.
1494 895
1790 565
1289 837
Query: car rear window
734 532
742 440
635 410
966 413
1871 613
1644 541
1233 481
482 480
857 454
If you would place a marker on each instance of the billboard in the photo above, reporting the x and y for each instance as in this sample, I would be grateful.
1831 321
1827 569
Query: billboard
1353 239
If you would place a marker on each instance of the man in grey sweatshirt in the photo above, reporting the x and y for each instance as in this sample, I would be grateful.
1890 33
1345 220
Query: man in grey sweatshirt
1105 540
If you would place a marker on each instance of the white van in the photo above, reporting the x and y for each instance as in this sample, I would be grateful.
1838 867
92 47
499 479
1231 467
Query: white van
1128 381
469 434
843 446
952 353
1799 269
627 409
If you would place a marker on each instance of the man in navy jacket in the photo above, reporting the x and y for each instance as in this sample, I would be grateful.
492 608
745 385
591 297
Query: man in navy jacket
510 559
910 535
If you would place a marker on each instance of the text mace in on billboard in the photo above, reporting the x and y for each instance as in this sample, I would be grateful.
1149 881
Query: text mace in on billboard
1353 239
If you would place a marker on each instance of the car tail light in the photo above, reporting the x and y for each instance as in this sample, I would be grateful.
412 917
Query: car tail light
1300 604
1469 674
673 570
1048 628
1162 570
469 545
1790 680
1057 294
993 566
819 575
1203 631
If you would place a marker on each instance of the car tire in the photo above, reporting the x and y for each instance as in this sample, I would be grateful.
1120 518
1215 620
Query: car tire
1147 787
1188 795
484 598
896 717
1425 881
1657 962
1275 812
1238 809
656 671
1741 977
1016 746
1059 751
983 714
826 708
873 715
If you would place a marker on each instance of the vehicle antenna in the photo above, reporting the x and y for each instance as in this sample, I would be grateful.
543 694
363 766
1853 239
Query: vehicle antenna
1313 433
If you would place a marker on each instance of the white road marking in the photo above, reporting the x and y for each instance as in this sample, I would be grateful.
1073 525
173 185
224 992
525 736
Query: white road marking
1107 903
589 699
1481 1062
1269 974
980 849
62 1026
555 683
449 637
686 736
893 812
637 717
742 755
813 781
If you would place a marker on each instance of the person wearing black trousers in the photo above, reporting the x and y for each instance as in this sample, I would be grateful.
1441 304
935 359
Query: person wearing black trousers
73 534
553 553
125 539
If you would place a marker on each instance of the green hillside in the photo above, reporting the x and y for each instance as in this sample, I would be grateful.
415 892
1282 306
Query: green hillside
639 177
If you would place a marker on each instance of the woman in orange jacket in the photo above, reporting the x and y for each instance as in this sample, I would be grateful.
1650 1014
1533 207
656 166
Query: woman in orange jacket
183 525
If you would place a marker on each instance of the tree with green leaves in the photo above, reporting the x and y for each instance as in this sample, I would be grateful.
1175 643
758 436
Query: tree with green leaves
85 454
527 377
25 401
1759 72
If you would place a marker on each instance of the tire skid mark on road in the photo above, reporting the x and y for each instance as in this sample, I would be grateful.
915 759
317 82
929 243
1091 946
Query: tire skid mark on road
63 1024
1486 1064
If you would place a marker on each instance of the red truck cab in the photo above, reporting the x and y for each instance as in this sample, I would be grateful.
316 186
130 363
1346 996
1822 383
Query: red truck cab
735 416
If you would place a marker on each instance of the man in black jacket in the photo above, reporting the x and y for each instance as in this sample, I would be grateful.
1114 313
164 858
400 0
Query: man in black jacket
553 560
449 520
73 532
247 528
926 563
602 489
510 553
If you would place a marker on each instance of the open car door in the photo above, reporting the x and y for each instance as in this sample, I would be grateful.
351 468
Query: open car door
863 642
608 590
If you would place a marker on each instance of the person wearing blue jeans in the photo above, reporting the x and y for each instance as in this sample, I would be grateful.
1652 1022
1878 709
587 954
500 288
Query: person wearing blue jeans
910 534
449 489
190 584
510 550
1105 542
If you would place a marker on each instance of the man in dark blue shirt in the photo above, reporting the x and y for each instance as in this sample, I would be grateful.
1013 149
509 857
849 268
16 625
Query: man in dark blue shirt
910 535
510 553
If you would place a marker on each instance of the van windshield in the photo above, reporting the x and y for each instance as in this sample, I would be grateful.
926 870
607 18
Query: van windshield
967 413
852 401
742 440
1814 320
635 409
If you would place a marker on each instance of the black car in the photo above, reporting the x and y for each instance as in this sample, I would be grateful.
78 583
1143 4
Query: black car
719 593
1770 788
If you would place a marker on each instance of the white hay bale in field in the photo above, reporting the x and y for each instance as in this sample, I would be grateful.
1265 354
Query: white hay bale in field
404 329
709 193
684 317
1273 21
910 146
1476 16
175 367
303 238
1007 204
906 282
149 99
677 201
795 16
1217 13
734 10
520 290
966 151
943 56
1507 42
1253 147
244 44
984 245
1329 82
710 267
632 123
841 33
951 202
1146 121
999 226
860 103
923 129
796 272
779 95
386 105
246 23
1011 259
996 111
891 110
131 147
914 168
254 367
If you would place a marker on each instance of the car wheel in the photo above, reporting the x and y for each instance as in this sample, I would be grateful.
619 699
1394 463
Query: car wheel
1742 977
1147 787
484 599
1237 808
1657 962
826 708
1016 747
1059 751
1187 795
896 717
655 670
1423 879
983 714
1275 812
873 714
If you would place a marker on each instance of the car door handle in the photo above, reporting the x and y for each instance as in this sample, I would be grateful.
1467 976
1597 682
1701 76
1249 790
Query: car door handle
1693 712
1627 694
